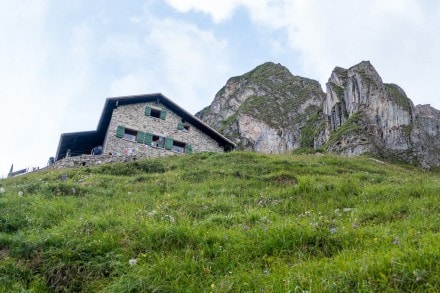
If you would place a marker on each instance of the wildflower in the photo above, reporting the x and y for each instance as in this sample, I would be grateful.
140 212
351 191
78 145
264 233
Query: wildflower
354 225
333 230
132 262
346 210
266 271
2 190
152 213
396 241
170 218
20 193
73 190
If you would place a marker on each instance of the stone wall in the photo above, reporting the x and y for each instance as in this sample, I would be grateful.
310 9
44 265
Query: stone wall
89 160
133 117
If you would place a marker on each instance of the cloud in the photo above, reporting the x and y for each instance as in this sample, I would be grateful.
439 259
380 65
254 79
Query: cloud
399 37
59 60
181 60
41 79
218 10
25 105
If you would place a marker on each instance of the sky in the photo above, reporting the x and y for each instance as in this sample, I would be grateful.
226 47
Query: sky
60 59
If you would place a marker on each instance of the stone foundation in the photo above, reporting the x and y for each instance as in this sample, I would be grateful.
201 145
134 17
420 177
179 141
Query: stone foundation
89 160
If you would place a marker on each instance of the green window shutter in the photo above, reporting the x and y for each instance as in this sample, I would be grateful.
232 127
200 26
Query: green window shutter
140 137
148 138
180 126
169 143
120 131
147 111
188 149
163 114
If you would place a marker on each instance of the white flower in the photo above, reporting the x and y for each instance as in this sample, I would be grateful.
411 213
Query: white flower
152 213
170 218
20 193
2 190
132 262
348 209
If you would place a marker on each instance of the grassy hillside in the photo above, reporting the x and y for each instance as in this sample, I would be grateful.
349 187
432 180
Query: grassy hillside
223 222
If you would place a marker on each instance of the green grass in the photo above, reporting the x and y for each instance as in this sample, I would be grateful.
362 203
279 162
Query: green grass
352 125
397 95
235 222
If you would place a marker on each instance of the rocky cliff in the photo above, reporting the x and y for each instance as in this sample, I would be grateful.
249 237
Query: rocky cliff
270 110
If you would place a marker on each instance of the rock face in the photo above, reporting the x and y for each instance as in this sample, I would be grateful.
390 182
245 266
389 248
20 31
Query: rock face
270 110
367 115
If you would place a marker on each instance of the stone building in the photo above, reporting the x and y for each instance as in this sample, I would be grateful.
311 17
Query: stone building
143 126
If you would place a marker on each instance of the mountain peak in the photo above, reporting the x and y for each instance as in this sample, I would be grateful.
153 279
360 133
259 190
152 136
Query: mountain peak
270 110
367 71
269 70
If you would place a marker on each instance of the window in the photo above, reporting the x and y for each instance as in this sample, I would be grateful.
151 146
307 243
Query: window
152 112
153 140
158 141
183 126
130 134
178 146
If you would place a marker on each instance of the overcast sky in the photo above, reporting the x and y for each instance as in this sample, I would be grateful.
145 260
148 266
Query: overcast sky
60 59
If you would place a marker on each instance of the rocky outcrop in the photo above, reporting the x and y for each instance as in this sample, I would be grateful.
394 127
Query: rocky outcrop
367 115
272 111
268 110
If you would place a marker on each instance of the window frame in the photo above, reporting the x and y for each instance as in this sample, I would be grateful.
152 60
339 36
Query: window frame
130 134
155 112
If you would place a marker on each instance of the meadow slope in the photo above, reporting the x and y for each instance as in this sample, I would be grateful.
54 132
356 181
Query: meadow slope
223 223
